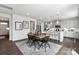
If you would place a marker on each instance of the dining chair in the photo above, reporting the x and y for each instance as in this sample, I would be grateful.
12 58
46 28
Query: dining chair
36 42
29 40
45 42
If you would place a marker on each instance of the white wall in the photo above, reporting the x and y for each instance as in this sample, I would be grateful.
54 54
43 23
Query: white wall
20 34
5 15
69 13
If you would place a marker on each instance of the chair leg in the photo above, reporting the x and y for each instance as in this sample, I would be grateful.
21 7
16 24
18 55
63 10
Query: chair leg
44 44
34 45
45 47
48 45
41 45
27 41
31 43
38 45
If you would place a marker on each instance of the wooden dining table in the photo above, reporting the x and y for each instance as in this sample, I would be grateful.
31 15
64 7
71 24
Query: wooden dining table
37 38
40 36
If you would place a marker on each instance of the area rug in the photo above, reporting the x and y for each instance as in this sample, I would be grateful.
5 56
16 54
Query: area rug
26 50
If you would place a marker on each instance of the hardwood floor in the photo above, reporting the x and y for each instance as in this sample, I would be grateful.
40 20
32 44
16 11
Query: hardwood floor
8 47
69 43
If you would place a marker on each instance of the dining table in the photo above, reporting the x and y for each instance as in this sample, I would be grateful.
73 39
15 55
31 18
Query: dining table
40 38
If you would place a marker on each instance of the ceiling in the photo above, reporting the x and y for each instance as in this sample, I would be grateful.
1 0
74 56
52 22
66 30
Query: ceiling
45 11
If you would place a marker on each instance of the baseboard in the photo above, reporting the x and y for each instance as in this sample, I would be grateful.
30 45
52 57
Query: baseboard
21 40
71 37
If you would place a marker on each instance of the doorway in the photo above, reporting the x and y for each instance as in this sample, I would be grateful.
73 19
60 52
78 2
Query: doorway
4 28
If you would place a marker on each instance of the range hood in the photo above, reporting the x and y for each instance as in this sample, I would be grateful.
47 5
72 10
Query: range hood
57 26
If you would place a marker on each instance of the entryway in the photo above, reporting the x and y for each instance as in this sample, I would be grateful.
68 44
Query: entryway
4 28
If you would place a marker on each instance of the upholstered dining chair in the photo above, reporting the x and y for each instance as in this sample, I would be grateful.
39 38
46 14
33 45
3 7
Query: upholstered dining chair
36 42
45 42
29 40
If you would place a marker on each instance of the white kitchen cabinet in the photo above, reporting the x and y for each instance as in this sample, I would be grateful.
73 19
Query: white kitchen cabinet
57 35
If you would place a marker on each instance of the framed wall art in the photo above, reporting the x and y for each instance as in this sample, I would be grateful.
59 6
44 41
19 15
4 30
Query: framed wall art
32 26
26 24
18 25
